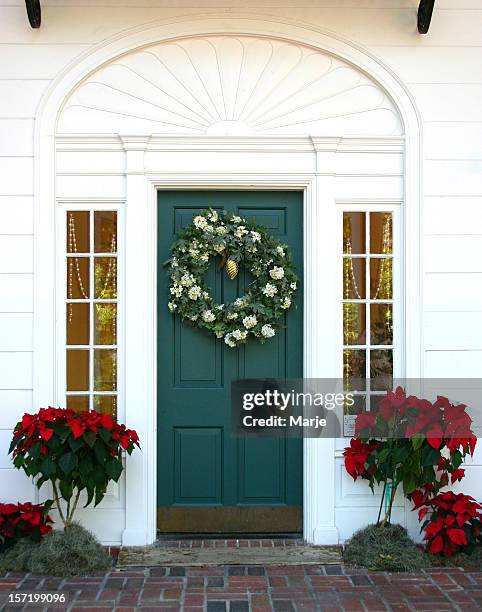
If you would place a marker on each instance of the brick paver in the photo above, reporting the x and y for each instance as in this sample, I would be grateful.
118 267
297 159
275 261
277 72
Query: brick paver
323 588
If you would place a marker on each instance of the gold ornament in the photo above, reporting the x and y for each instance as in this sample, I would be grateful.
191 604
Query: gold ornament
232 269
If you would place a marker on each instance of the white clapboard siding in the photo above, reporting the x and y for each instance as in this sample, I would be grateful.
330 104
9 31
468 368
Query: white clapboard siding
13 405
20 99
457 140
36 61
16 136
453 330
15 370
16 331
17 293
452 215
16 254
17 176
16 486
445 291
453 177
453 364
453 253
16 214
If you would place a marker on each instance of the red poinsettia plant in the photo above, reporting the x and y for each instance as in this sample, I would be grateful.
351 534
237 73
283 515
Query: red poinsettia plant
74 451
411 442
23 521
453 522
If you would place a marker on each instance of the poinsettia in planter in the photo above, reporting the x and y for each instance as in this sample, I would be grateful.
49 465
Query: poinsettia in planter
25 520
74 451
410 442
453 522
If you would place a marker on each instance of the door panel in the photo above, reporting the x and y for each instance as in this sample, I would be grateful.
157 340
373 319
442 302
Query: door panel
208 479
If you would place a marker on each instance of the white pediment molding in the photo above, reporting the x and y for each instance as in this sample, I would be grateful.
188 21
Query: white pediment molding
229 85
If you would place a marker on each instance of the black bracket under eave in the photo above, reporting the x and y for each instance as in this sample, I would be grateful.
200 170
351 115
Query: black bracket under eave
424 16
34 12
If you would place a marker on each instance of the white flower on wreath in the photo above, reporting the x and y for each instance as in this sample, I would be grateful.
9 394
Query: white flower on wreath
280 251
194 317
286 303
240 232
193 252
200 222
213 216
293 286
219 334
205 295
277 272
253 249
232 315
204 258
250 321
240 302
255 236
194 292
221 230
209 229
187 280
176 290
236 219
229 340
237 334
267 331
219 247
208 316
172 306
269 290
220 306
174 263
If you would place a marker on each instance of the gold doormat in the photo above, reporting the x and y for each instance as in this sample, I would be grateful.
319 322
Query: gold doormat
150 556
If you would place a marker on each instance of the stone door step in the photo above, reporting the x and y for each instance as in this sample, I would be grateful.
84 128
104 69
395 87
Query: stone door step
151 556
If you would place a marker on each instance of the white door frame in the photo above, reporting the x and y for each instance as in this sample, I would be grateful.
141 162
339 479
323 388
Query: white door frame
141 187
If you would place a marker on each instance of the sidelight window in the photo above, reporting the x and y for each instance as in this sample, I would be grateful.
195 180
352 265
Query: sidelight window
91 313
370 315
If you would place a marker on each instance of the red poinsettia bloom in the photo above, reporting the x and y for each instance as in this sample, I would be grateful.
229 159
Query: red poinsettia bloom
364 421
454 524
356 456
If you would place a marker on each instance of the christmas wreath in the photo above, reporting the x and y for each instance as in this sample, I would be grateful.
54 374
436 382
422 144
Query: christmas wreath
235 241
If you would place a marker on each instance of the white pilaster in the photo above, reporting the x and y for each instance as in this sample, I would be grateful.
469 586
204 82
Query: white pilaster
321 354
140 346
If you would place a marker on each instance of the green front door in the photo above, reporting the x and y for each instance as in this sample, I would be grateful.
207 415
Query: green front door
208 479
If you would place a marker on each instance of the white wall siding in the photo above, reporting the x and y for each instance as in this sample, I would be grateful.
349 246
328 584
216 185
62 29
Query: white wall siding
442 70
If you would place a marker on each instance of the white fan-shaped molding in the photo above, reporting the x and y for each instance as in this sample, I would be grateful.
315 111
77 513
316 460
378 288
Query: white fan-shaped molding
229 85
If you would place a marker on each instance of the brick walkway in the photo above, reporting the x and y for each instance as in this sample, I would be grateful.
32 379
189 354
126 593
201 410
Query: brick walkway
262 589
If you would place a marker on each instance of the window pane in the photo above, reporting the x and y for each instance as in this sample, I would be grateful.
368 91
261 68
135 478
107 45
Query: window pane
381 322
381 278
354 370
381 233
381 370
105 324
78 402
105 278
354 273
105 370
77 370
105 231
106 404
78 319
354 232
78 278
359 405
78 239
354 324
